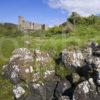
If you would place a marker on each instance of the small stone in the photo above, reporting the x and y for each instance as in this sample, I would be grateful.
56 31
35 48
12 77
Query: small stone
18 91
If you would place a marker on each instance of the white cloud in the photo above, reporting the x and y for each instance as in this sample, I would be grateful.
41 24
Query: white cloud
83 7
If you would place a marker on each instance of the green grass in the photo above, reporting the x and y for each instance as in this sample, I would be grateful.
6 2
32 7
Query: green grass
54 45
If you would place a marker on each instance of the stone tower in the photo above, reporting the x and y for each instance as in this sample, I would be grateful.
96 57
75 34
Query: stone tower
21 22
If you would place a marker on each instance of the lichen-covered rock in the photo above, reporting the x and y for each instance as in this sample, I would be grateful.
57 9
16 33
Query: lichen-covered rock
75 77
49 74
42 57
83 60
72 58
98 78
62 86
76 57
21 54
64 98
94 61
86 91
33 74
50 86
37 91
20 66
36 76
86 64
18 91
27 67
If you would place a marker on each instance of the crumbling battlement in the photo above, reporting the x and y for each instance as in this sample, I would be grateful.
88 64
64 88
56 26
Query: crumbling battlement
25 25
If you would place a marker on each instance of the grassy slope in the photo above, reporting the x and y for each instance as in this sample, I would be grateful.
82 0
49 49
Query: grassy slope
81 35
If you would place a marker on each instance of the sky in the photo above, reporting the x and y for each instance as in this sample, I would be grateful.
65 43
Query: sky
33 10
51 12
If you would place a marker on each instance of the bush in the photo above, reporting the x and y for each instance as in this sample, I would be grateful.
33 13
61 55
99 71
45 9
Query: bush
9 29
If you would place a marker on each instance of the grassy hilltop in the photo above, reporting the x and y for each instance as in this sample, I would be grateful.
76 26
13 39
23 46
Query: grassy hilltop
76 31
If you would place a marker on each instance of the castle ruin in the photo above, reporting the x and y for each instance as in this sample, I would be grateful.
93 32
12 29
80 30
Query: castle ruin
25 25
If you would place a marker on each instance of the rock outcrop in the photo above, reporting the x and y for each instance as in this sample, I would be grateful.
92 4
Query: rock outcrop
34 78
25 68
86 90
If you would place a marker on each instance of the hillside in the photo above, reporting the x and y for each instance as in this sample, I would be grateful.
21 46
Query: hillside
77 31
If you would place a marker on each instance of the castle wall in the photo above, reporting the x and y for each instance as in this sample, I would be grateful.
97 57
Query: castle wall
30 26
37 26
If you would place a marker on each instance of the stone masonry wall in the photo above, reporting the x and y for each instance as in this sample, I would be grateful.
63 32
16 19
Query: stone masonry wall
23 24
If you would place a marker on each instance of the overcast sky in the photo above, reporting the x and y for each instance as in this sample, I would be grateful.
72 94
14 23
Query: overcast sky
51 12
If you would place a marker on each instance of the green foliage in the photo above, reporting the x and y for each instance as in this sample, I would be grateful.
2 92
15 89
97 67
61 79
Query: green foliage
76 19
63 72
5 90
8 29
54 30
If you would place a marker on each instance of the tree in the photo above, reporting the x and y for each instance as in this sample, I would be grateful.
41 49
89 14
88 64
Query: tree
91 19
74 18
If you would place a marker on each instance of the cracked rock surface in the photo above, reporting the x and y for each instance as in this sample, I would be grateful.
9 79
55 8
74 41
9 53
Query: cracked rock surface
33 74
